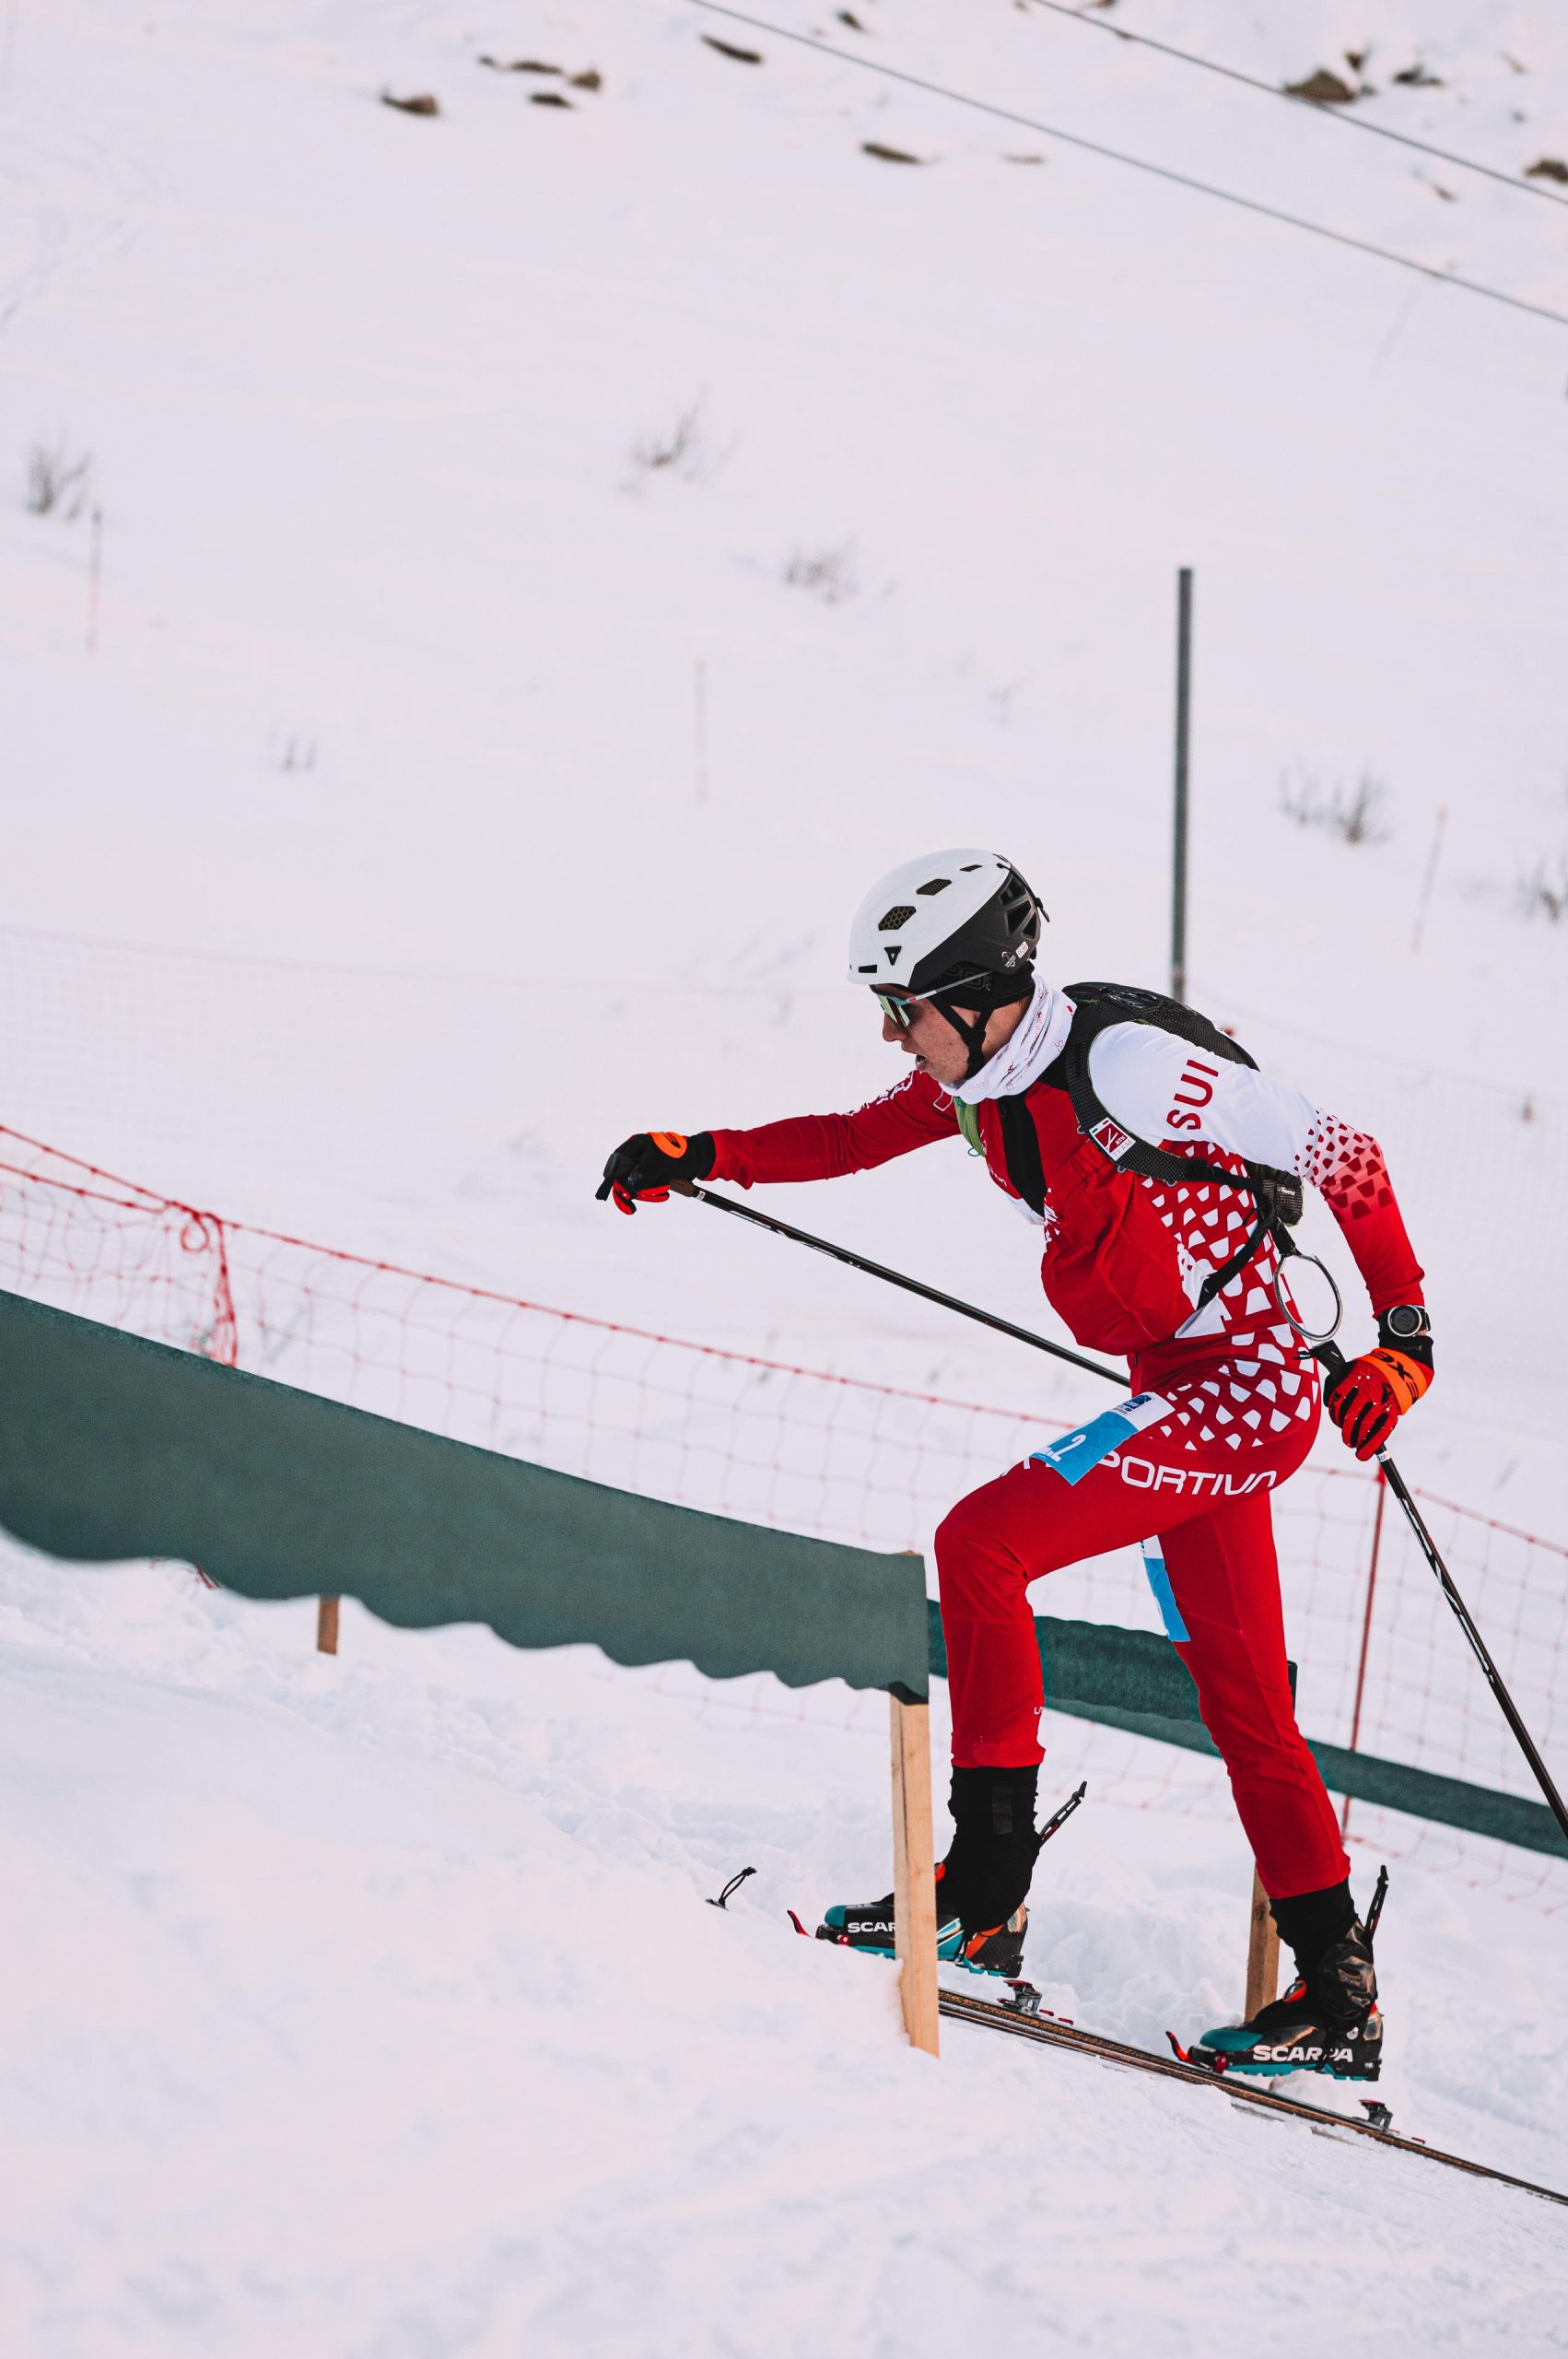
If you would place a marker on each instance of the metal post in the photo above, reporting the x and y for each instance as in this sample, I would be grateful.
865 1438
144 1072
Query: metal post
1183 727
1428 881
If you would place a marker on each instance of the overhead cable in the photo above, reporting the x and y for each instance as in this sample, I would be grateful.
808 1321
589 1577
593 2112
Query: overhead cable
1335 114
1137 164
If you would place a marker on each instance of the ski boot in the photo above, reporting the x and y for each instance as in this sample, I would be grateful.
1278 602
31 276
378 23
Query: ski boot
1326 2022
869 1925
980 1886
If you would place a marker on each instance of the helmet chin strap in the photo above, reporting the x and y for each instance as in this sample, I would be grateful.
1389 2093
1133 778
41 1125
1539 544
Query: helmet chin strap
971 1030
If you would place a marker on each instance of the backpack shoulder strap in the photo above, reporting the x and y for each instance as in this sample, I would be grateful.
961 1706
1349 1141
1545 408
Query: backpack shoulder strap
1098 1007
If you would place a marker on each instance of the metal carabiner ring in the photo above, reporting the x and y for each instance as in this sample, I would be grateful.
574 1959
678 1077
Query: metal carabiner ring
1309 1338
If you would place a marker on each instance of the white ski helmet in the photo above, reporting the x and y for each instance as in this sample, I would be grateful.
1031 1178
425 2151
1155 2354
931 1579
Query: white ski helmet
947 920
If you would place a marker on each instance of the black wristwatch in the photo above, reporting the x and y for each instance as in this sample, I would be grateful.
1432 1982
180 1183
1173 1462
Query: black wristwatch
1406 1323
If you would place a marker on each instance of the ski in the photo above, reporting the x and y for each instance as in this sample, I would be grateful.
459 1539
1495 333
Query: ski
1022 2018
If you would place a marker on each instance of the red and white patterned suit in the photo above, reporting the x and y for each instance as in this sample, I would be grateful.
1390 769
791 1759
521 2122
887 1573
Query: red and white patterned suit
1124 1262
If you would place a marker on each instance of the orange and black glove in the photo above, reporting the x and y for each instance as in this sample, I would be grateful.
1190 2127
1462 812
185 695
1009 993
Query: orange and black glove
1369 1396
646 1165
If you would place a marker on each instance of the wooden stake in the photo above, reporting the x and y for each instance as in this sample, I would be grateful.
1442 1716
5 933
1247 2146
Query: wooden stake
95 579
1262 1952
913 1872
326 1626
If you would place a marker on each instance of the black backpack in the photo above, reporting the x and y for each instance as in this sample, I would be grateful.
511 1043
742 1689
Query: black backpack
1096 1006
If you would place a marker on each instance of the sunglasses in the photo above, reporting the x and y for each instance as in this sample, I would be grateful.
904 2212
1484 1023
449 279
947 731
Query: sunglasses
897 1010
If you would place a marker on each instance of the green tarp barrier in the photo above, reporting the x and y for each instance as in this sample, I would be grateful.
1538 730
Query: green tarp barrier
1135 1680
113 1448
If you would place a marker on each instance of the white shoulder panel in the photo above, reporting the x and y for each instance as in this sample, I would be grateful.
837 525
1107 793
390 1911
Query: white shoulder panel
1172 1093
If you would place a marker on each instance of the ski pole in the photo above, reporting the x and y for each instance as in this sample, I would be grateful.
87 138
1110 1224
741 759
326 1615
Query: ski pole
1333 1358
894 1278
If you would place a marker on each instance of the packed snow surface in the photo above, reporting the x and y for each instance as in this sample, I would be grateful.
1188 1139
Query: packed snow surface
514 575
372 2005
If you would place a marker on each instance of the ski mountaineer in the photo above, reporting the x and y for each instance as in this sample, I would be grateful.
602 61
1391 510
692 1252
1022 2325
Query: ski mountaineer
1161 1170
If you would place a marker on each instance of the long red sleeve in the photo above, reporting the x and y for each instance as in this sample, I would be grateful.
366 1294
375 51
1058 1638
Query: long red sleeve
827 1146
1348 1169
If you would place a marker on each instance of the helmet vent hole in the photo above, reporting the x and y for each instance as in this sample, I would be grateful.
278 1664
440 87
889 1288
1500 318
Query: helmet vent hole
934 885
900 914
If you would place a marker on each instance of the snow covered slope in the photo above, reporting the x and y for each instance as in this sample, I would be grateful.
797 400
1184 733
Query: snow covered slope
373 2006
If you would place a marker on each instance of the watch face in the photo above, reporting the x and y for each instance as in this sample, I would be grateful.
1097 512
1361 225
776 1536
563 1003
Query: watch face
1406 1320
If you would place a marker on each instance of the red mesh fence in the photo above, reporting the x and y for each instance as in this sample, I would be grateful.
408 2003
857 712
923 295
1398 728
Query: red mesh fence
1384 1668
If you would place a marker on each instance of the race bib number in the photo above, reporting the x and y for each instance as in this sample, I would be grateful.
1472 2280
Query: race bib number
1078 1453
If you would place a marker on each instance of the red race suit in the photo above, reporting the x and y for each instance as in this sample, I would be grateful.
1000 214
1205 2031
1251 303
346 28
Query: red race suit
1237 1395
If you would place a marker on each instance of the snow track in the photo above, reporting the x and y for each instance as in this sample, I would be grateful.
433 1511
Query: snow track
371 2006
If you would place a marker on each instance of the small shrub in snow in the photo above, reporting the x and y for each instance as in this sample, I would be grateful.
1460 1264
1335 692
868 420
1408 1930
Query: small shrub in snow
291 751
1357 814
1541 890
592 79
58 484
829 574
683 449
